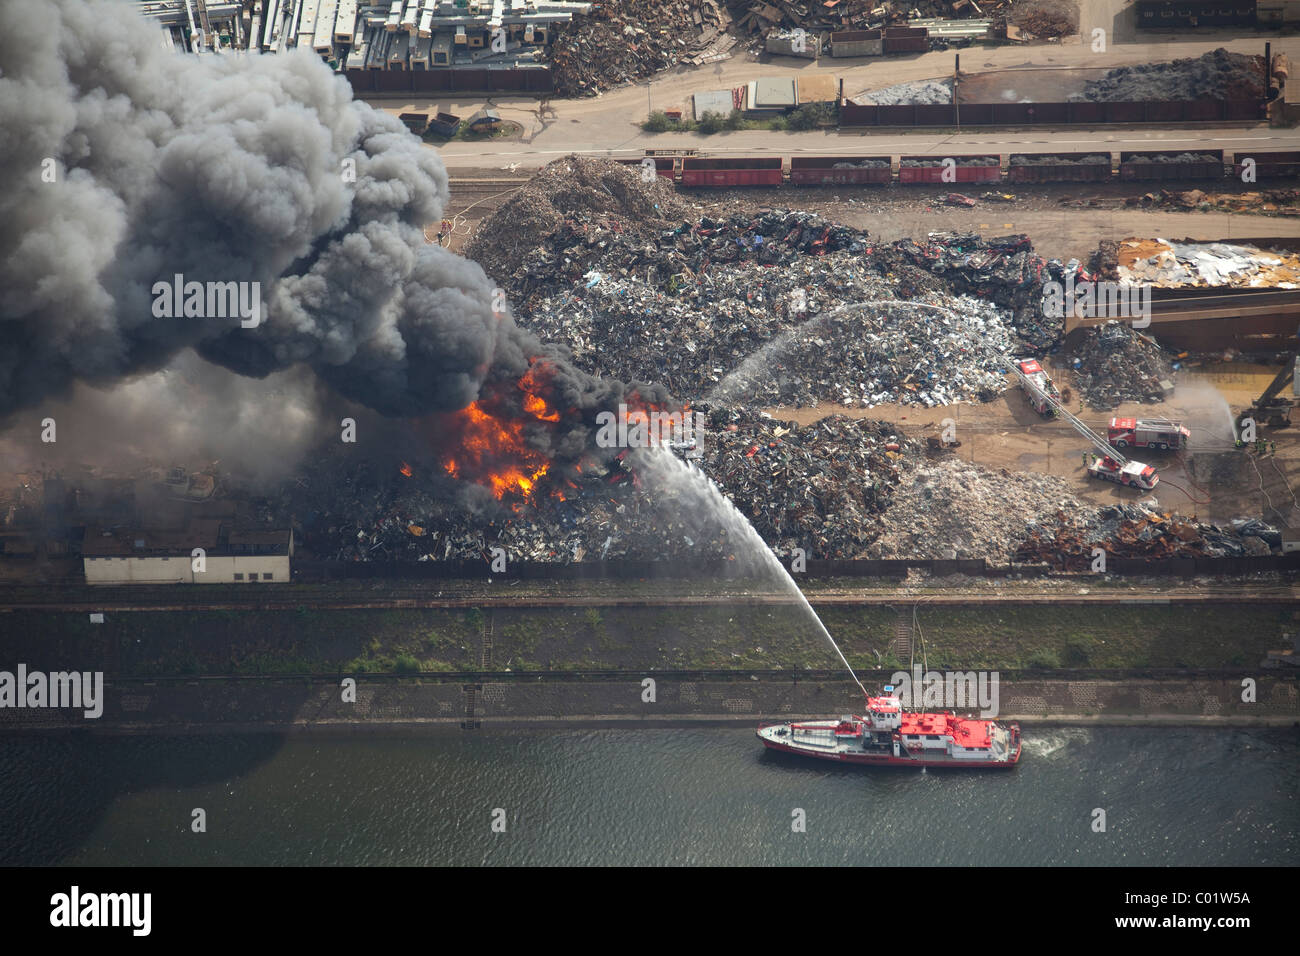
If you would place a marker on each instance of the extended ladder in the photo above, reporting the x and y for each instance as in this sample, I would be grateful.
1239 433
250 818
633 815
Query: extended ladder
1062 412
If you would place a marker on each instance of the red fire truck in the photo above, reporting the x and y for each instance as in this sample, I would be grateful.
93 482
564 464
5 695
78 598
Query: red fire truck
1147 433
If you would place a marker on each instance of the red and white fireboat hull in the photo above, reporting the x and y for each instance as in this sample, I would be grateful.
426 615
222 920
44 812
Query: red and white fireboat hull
968 745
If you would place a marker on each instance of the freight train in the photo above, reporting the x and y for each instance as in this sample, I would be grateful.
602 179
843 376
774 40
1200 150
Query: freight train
689 169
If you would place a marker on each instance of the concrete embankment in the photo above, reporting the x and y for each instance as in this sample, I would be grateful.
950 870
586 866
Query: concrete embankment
319 705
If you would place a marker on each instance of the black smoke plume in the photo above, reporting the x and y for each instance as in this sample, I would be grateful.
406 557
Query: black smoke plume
231 168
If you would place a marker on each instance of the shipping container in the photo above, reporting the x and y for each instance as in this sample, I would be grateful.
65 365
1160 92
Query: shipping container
740 171
1269 165
906 39
1147 166
839 170
1058 168
856 43
963 172
906 44
445 124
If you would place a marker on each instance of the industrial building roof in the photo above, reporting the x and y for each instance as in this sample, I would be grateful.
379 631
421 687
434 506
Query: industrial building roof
713 101
774 92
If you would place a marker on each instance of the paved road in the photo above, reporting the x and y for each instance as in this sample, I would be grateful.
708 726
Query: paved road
607 125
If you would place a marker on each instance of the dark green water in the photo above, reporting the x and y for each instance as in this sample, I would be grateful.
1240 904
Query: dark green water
701 796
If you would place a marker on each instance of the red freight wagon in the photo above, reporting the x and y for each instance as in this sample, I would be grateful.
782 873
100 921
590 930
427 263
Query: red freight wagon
964 172
1270 165
743 171
1058 168
1164 165
838 170
663 165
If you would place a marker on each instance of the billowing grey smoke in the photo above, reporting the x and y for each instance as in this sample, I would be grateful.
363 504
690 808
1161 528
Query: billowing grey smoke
224 168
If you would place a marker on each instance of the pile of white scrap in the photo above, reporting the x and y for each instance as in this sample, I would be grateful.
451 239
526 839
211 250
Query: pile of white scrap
917 93
1170 265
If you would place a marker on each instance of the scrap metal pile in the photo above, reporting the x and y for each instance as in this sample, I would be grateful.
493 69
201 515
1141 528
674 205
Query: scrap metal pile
777 308
1265 202
1114 364
1001 269
619 42
820 487
923 92
1217 75
1167 264
590 189
1140 531
955 509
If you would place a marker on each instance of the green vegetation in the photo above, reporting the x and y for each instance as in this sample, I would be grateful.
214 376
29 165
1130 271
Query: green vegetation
743 636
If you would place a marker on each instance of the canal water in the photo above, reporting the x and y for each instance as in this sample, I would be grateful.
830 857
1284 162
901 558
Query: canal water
643 796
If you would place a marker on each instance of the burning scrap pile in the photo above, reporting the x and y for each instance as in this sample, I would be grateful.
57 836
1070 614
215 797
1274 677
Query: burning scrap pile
1168 265
819 487
619 42
1140 531
1114 364
833 323
1217 75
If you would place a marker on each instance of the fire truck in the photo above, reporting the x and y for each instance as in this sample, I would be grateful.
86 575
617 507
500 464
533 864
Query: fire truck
1109 465
1124 472
1039 390
1158 433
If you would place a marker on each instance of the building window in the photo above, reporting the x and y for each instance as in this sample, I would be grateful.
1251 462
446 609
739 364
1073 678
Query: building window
266 576
239 575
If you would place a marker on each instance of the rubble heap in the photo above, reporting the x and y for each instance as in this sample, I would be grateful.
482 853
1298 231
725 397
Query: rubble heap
1266 202
920 92
618 43
595 190
820 487
956 509
688 310
1140 530
1002 269
760 16
1217 75
1113 364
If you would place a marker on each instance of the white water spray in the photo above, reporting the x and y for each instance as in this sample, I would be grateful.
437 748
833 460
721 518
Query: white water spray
691 488
758 364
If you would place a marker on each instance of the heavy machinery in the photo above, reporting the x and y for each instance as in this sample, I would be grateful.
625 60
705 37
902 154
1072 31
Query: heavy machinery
1272 408
1109 465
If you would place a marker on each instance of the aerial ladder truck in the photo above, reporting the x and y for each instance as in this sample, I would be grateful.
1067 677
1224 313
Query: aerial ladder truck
1110 465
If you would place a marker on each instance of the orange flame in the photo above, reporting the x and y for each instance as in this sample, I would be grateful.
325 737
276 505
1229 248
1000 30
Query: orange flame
493 452
406 470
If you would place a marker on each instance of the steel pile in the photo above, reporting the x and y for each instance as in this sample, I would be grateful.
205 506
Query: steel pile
819 487
780 308
1114 364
